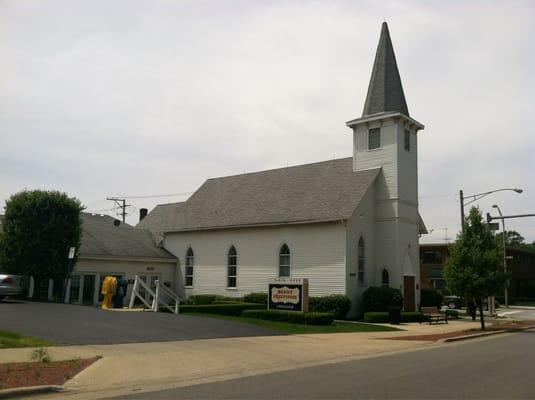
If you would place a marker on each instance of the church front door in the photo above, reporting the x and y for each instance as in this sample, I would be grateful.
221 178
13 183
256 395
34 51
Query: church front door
408 293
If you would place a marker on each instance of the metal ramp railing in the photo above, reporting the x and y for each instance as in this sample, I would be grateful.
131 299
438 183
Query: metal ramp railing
157 299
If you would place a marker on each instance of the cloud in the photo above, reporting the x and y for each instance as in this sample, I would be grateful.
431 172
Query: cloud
132 97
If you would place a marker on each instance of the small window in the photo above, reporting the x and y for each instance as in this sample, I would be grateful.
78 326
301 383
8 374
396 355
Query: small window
189 268
374 138
385 278
407 140
284 261
361 261
431 257
232 268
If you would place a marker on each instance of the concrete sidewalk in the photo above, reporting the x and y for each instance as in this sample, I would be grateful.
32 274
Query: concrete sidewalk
149 366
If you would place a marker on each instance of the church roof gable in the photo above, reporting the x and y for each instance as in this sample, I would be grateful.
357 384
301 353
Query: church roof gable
311 193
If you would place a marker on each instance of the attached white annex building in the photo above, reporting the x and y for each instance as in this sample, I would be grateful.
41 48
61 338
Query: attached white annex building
344 224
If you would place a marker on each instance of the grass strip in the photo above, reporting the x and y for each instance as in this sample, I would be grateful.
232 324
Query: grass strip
295 329
14 339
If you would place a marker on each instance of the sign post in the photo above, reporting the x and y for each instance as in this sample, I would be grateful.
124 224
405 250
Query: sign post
288 294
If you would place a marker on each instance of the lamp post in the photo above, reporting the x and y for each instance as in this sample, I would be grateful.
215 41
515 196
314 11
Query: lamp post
505 297
476 197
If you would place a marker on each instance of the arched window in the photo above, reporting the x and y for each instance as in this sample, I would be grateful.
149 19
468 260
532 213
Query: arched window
385 278
361 261
189 268
232 267
284 261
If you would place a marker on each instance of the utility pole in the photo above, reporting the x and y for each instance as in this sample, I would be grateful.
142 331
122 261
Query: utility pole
461 198
121 203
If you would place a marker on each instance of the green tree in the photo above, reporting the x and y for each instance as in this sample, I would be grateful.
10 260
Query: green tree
39 228
474 269
512 238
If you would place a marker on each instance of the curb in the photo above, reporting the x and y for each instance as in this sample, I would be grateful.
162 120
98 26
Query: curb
29 390
474 336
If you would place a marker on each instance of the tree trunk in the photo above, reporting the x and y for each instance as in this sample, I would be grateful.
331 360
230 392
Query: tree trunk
471 308
481 315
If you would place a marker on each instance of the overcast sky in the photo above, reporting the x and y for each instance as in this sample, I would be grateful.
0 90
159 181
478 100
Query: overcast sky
131 98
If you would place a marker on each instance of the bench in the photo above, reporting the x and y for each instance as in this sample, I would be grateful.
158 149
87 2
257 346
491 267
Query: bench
432 314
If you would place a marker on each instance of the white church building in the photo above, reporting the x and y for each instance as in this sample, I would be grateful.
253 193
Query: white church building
344 224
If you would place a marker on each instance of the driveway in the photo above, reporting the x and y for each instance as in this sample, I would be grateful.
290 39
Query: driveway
72 324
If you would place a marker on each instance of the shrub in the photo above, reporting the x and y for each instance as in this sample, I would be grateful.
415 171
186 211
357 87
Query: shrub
379 299
411 316
204 299
453 314
336 304
310 318
383 317
234 309
257 298
376 317
430 298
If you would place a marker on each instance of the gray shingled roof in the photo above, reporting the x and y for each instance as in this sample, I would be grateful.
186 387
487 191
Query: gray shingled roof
323 191
100 237
385 92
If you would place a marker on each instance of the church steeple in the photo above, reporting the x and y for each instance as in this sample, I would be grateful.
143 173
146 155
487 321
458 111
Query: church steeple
385 92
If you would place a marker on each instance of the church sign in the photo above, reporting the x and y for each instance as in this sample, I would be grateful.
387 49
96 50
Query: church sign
288 294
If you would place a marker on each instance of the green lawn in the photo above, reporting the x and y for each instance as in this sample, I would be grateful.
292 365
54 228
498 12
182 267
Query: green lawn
298 328
13 339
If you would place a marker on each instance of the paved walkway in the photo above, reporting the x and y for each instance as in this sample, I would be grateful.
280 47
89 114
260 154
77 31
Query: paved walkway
149 366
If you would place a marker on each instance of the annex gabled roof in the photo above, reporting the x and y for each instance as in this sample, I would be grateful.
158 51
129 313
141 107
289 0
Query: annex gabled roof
311 193
385 92
102 238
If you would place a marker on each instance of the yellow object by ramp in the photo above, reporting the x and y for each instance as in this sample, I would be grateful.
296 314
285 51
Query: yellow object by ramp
109 288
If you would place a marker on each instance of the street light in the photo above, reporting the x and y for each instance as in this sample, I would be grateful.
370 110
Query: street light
476 197
506 297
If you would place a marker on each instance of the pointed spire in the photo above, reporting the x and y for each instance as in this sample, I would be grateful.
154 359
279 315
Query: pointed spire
385 92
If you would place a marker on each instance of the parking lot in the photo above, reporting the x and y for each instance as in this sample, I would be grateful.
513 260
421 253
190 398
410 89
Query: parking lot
72 324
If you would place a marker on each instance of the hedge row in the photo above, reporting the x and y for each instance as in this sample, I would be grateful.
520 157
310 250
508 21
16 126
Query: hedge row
234 309
204 299
383 317
337 304
310 318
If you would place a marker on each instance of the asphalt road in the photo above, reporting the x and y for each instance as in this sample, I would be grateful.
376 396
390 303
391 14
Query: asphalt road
71 324
500 367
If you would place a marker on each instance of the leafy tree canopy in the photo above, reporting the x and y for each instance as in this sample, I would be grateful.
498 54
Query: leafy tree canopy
512 238
474 269
39 228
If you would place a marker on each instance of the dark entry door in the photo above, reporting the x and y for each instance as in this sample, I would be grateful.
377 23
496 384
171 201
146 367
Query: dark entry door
89 289
408 293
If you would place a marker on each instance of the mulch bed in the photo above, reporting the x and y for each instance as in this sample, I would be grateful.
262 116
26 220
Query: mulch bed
508 326
14 375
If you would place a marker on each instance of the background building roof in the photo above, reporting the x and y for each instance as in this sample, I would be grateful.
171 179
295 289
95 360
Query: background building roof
323 191
100 237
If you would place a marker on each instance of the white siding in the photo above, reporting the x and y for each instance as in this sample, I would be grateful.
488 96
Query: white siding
166 271
317 253
362 223
385 157
396 197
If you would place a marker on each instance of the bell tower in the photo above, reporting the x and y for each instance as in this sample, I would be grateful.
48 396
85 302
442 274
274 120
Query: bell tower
386 137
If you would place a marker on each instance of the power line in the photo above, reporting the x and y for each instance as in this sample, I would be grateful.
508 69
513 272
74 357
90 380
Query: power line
148 196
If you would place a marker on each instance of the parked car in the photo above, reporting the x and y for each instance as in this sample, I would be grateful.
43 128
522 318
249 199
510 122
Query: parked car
10 285
454 302
459 302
